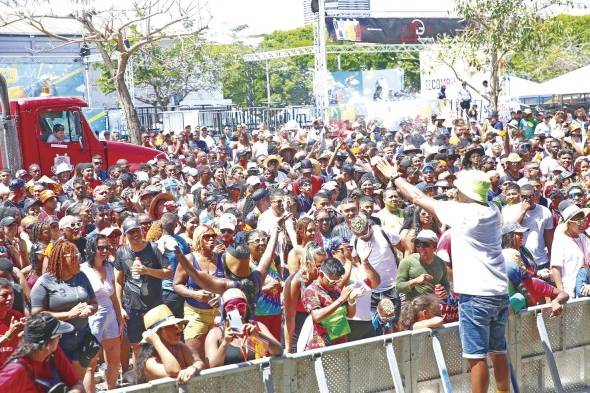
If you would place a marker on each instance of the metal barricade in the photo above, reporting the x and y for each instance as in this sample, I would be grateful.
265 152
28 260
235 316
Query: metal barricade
414 361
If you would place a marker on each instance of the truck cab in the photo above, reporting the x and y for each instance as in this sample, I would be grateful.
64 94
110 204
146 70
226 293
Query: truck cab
36 119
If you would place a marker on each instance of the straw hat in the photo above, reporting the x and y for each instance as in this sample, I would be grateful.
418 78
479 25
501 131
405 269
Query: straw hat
163 196
161 316
270 158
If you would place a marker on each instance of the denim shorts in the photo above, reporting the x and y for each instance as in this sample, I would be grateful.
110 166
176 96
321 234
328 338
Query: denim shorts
482 325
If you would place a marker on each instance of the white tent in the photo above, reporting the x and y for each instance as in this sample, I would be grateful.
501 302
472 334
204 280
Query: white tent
519 87
574 82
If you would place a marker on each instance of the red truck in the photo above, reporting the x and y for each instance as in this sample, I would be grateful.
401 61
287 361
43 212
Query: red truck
26 125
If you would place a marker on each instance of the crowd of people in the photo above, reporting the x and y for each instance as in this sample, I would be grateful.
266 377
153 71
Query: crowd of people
254 243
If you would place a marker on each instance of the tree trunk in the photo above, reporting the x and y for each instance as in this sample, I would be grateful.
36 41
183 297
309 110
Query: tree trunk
127 105
494 82
131 118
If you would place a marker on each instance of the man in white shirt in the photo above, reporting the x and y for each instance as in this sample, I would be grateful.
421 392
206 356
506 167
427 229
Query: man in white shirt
479 271
268 222
537 219
544 127
208 139
379 244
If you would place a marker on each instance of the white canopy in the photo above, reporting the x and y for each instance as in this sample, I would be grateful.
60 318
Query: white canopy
574 82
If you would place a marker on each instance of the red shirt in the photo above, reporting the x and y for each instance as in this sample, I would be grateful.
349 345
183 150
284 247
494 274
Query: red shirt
14 374
8 347
538 290
316 185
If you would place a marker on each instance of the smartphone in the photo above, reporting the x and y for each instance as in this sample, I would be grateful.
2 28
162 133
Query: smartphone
235 321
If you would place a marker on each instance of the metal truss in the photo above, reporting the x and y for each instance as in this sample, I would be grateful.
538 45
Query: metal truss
338 49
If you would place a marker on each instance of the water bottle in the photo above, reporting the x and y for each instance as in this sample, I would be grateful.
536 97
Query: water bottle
136 276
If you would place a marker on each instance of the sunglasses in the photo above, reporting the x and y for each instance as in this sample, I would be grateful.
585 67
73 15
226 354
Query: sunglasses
579 222
74 225
98 163
420 244
259 241
575 194
330 281
225 230
242 307
209 236
102 248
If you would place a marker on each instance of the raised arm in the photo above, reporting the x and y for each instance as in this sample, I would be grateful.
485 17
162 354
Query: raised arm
408 191
267 257
204 279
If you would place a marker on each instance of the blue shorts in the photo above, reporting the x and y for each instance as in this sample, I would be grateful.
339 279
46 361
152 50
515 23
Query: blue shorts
482 325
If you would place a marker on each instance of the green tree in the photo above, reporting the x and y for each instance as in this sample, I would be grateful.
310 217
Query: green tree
496 30
566 47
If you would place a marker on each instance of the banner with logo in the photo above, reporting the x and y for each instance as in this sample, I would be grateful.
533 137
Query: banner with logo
30 79
392 30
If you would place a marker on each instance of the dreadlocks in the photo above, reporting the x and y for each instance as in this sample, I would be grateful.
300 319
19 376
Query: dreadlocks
36 229
63 254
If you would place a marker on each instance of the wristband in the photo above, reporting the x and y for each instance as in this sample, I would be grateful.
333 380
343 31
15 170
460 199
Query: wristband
353 303
395 177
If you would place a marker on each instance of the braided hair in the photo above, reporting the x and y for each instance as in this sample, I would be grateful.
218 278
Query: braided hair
37 245
57 258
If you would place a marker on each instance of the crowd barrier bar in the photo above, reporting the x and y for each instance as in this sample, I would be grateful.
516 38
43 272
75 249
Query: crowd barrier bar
546 354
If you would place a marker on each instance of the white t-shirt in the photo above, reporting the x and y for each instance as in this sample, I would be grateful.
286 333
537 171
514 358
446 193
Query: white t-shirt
547 164
569 254
478 264
260 149
209 141
382 258
363 303
537 221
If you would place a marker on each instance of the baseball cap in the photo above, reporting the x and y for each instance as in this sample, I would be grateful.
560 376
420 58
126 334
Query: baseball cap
510 227
16 184
427 235
130 224
306 166
7 221
67 221
253 181
41 333
228 221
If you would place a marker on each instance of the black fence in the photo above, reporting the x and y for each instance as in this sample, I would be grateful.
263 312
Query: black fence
274 118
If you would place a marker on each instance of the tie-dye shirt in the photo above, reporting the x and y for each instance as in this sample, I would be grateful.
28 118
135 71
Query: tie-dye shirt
269 303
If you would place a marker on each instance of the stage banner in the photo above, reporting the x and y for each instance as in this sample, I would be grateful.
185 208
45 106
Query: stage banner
392 30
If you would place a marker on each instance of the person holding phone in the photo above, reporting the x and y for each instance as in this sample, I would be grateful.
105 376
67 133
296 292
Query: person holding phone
238 338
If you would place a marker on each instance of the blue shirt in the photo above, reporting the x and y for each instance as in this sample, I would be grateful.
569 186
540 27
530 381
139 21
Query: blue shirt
173 261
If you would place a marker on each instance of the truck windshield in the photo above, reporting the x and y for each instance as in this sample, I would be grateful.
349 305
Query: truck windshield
59 126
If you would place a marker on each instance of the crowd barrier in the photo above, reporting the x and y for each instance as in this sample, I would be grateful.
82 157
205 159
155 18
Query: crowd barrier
546 354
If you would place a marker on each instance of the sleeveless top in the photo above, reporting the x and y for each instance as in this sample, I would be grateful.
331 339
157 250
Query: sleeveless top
219 272
234 355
